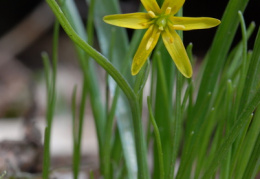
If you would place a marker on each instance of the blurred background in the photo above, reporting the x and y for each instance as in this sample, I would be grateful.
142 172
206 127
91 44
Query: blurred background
25 32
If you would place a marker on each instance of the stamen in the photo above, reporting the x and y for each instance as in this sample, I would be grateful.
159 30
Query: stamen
151 14
149 43
168 10
179 27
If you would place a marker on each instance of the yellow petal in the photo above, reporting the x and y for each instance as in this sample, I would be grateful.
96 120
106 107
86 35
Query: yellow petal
177 51
175 5
192 23
151 5
146 46
134 20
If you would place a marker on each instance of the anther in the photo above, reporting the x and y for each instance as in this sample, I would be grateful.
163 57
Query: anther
151 14
168 10
161 28
179 27
149 43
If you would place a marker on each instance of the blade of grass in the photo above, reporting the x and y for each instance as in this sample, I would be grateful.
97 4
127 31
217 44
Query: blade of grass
46 149
237 150
108 136
219 49
188 149
252 74
102 8
74 133
127 139
248 145
225 167
73 109
141 78
51 99
162 111
241 102
47 70
106 149
157 138
77 151
123 113
177 124
254 162
89 74
235 55
122 54
235 131
214 62
207 128
152 87
46 155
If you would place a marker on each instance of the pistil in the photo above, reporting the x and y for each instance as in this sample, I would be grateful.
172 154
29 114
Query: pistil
161 22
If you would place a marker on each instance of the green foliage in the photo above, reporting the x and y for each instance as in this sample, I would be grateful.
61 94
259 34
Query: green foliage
208 125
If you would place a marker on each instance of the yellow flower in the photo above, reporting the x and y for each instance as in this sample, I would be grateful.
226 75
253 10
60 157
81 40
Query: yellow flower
161 21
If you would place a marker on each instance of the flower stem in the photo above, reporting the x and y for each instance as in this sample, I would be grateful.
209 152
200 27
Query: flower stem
157 138
122 83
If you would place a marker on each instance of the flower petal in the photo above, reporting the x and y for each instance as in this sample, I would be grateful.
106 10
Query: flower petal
151 5
177 51
146 46
133 20
192 23
175 5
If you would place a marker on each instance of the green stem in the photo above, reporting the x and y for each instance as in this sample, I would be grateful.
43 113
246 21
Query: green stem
51 99
139 140
108 135
237 152
162 76
123 84
74 132
46 154
254 162
77 152
177 127
90 23
99 58
241 101
157 138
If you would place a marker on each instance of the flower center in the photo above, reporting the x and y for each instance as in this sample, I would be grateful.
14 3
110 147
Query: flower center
161 22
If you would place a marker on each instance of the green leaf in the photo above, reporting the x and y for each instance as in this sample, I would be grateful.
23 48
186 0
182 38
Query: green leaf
229 139
121 58
254 162
219 49
70 10
253 75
